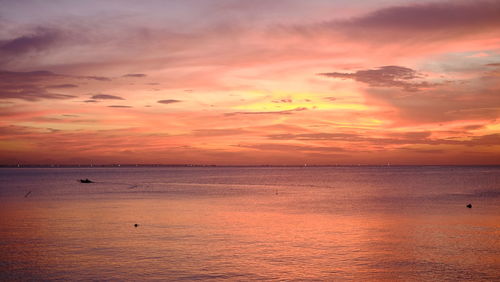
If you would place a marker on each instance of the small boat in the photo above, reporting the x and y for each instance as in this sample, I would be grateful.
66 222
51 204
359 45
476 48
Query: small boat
86 180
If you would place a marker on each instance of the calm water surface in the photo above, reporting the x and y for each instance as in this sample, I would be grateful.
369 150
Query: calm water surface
336 223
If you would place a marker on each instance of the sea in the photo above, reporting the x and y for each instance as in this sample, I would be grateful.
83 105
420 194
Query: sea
374 223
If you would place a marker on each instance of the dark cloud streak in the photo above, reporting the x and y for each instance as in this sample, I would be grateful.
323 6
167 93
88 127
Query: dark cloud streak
106 97
168 101
286 112
119 106
62 86
386 76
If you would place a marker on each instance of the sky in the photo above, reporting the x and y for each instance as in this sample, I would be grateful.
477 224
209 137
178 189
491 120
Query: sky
234 82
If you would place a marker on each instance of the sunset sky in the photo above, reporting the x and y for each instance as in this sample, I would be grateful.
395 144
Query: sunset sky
228 82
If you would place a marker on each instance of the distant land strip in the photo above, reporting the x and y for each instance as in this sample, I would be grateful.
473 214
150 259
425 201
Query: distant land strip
213 165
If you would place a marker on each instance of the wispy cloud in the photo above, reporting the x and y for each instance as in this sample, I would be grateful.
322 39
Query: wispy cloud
119 106
289 147
219 132
106 97
285 100
30 76
28 86
331 99
285 112
30 93
99 78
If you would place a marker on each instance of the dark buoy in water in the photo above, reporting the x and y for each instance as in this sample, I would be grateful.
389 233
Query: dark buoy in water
469 206
136 225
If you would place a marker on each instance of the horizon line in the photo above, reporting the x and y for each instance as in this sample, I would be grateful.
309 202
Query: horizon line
218 165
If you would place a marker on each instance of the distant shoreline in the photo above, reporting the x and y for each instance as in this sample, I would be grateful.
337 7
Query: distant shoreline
225 166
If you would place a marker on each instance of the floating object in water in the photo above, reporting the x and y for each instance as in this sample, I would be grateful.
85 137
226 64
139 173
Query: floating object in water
86 180
136 225
469 206
27 194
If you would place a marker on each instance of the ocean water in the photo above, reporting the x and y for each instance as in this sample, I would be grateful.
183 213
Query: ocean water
251 223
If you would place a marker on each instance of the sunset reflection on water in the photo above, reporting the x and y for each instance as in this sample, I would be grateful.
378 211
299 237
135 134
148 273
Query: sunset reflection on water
256 235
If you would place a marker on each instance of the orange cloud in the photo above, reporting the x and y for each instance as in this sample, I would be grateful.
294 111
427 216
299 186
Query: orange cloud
399 84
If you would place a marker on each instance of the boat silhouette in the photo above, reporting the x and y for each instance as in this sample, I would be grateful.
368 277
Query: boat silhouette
86 180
